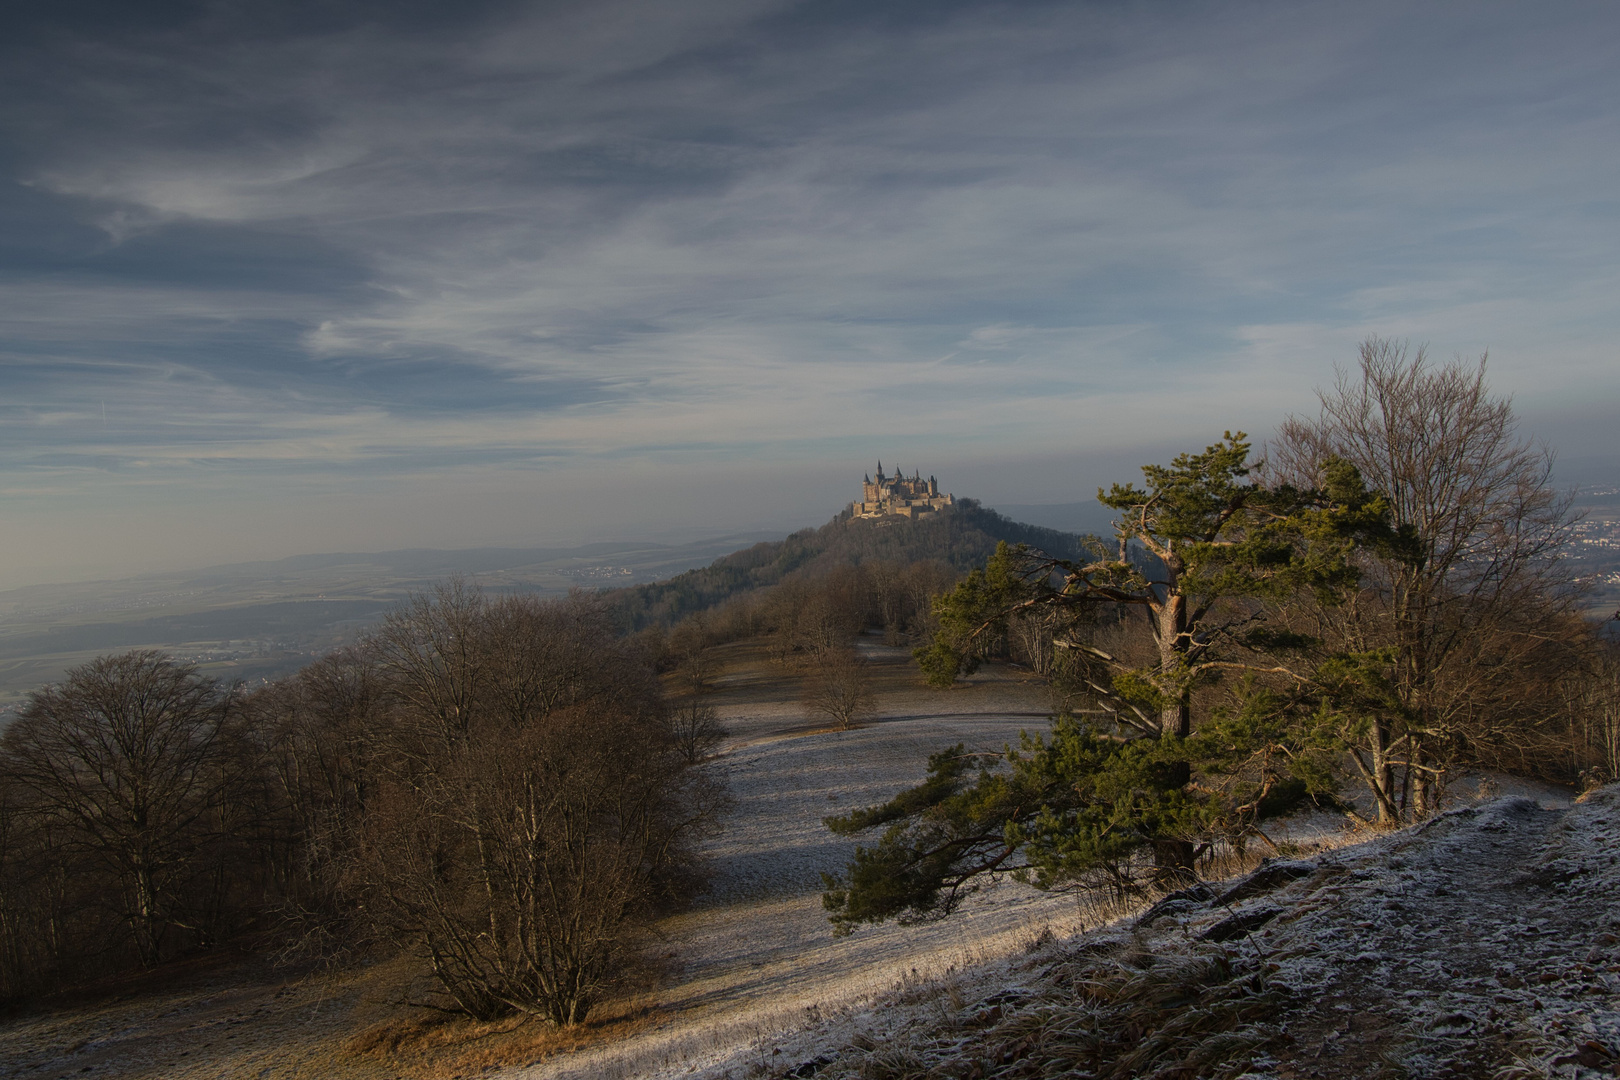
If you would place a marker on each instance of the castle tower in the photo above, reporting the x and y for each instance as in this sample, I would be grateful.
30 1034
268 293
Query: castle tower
886 495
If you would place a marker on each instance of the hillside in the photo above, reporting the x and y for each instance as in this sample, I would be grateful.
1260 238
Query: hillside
1462 947
1481 944
962 537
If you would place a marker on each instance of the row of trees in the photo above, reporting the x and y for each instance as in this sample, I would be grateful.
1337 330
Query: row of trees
493 785
1382 598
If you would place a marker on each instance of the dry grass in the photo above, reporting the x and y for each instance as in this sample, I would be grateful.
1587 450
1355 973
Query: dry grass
439 1046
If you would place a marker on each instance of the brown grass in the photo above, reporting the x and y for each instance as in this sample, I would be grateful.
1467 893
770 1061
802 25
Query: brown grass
440 1046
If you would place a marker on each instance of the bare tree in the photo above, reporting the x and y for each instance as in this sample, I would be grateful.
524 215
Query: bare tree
837 686
691 646
429 652
533 809
1463 606
322 734
32 915
540 655
1601 711
887 585
808 618
125 761
524 867
695 730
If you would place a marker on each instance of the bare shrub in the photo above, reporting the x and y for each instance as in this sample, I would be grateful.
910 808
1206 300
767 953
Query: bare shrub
532 810
695 730
837 685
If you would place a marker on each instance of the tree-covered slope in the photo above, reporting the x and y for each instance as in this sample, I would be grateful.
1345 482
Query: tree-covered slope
962 537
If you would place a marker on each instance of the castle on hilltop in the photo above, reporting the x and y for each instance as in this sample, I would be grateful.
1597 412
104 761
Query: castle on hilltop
899 496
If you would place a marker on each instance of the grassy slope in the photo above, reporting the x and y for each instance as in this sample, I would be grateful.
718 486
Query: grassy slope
1480 944
759 937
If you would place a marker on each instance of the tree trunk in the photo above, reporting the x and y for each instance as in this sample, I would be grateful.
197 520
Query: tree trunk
1389 814
1173 861
1173 857
1425 792
148 926
1175 718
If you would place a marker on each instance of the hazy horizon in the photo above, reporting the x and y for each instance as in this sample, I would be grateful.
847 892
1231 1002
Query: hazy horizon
290 279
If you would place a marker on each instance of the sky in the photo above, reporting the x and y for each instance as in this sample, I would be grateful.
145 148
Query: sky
282 277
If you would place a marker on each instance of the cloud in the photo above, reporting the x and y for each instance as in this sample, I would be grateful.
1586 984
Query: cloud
299 249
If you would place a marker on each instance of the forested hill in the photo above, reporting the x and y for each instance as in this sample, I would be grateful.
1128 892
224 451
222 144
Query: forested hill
963 537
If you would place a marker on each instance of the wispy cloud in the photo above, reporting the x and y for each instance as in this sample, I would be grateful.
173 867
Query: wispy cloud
596 242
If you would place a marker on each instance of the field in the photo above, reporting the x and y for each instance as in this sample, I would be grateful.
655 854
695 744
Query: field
750 969
754 954
757 954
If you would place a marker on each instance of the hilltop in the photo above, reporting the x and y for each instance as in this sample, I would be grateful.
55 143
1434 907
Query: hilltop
962 536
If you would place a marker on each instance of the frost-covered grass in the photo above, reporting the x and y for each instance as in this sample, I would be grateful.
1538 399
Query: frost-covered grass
1485 943
759 963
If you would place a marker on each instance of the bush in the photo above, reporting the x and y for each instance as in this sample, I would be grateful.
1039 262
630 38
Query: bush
695 731
533 808
838 687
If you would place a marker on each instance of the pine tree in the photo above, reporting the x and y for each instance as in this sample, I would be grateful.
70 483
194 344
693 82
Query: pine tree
1204 554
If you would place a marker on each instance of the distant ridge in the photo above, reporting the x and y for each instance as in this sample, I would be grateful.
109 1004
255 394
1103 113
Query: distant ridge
963 537
264 619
